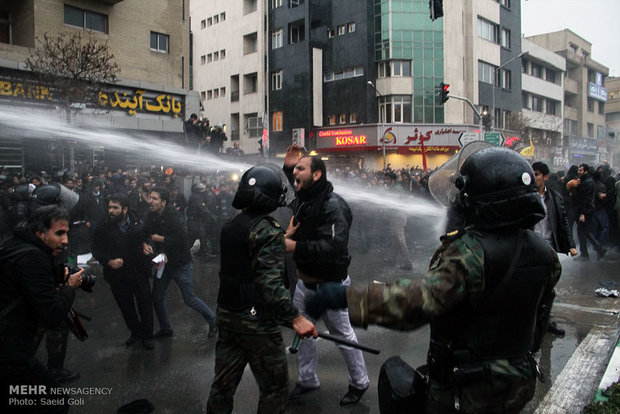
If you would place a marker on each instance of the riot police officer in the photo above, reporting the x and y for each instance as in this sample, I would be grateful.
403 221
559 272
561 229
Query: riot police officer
253 298
486 295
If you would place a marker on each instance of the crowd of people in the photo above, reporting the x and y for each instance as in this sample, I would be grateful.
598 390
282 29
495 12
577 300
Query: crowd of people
145 233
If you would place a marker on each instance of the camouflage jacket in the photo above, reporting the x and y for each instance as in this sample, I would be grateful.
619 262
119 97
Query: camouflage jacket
267 252
455 275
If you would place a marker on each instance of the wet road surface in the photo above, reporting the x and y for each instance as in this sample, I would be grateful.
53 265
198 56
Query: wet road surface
177 374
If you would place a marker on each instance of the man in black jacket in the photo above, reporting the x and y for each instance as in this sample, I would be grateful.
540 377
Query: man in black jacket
554 228
318 236
163 234
31 297
585 209
117 246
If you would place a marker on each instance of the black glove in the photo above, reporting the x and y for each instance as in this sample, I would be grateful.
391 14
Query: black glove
329 296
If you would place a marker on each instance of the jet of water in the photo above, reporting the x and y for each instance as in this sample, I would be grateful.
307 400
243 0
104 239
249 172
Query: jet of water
19 122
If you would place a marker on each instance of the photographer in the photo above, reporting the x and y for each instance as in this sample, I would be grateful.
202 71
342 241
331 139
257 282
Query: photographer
31 297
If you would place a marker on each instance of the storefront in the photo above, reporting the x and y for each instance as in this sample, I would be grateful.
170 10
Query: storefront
426 146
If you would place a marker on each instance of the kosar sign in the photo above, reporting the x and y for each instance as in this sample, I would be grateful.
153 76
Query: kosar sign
344 137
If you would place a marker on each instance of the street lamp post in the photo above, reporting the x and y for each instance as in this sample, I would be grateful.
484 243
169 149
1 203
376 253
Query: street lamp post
372 85
494 78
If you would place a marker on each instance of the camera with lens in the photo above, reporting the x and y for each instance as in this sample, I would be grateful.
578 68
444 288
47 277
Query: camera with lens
88 279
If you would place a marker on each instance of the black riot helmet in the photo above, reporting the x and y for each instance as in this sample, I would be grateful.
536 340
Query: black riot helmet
260 190
497 189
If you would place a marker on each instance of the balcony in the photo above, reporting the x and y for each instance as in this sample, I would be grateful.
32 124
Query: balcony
571 112
571 86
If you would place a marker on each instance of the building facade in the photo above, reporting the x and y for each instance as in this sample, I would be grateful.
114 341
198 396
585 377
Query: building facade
229 68
150 43
612 117
585 97
543 103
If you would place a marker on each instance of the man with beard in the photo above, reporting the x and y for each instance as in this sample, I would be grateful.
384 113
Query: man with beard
163 234
320 235
116 245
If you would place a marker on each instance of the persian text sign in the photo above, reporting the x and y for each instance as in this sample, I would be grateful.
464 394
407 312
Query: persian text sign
160 104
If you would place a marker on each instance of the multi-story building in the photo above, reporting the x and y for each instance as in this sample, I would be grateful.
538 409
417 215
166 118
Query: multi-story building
150 43
543 102
584 96
612 117
339 64
482 46
229 67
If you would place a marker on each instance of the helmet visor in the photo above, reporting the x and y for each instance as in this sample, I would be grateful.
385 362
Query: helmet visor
441 183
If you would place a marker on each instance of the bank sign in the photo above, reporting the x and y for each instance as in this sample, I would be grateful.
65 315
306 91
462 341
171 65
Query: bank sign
404 138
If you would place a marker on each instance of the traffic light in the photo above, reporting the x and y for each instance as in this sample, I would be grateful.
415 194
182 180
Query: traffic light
444 92
436 8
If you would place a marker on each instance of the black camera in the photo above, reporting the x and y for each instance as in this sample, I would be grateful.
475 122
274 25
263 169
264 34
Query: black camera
88 279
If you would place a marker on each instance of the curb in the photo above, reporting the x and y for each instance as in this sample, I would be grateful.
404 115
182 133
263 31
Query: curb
611 376
574 388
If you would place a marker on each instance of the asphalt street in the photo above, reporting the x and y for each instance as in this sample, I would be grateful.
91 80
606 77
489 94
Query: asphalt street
177 374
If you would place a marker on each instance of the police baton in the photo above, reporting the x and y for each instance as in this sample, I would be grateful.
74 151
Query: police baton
294 347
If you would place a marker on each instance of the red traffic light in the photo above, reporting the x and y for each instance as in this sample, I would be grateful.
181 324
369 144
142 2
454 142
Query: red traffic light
445 87
444 92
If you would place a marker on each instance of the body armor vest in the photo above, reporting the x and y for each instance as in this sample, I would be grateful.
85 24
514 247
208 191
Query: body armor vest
237 290
502 323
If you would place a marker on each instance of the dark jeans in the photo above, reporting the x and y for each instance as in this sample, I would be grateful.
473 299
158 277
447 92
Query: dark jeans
584 233
184 278
131 292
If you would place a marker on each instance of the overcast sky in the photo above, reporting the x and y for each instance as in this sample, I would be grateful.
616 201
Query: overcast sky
597 21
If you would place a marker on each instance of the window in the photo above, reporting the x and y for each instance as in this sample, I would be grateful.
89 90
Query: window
550 75
525 101
328 77
296 32
277 121
331 32
222 54
331 119
486 72
216 93
590 130
295 3
601 108
209 57
203 95
209 21
353 117
276 3
358 71
222 92
551 107
234 88
536 70
209 95
523 66
249 6
216 19
276 80
401 68
249 43
395 109
536 103
342 29
505 40
216 55
487 30
253 125
159 42
351 27
590 105
203 59
250 83
570 127
342 119
505 3
5 27
348 73
222 16
506 79
276 39
203 24
86 19
600 132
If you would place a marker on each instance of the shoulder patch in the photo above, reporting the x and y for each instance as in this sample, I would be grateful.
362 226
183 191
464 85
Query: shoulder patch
451 235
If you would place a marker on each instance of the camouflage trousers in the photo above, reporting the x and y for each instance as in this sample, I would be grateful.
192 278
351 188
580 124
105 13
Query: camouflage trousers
267 359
